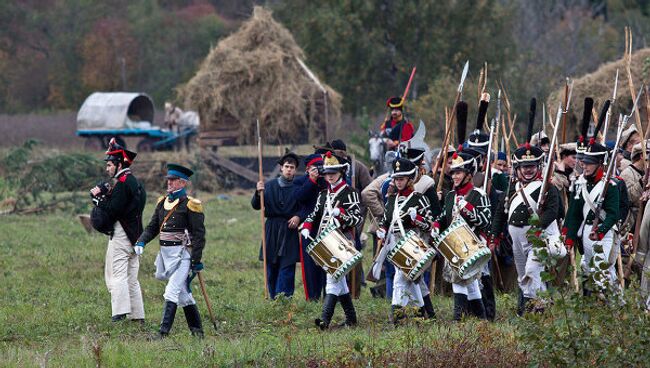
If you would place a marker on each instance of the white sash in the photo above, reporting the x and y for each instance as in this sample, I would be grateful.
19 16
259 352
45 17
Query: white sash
519 199
591 198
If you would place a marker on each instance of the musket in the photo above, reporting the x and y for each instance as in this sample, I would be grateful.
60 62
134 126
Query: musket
607 117
567 99
493 130
612 163
445 142
550 167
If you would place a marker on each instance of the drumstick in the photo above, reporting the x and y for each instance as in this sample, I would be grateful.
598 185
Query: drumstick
496 266
432 278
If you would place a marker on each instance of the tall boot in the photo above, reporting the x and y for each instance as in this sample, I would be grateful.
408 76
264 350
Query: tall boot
477 309
585 289
329 303
193 318
460 306
428 307
487 294
169 312
348 308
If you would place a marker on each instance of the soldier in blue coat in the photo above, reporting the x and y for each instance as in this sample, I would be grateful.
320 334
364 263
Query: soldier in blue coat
306 190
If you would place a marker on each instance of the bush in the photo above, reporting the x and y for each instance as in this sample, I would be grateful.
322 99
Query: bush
47 179
606 329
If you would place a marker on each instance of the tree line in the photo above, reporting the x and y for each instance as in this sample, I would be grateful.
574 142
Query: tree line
53 53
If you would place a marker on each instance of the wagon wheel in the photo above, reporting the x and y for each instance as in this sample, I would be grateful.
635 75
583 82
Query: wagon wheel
146 145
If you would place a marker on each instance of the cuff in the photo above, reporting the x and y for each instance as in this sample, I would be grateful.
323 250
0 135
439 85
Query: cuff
435 224
342 210
306 225
600 235
469 207
568 242
565 230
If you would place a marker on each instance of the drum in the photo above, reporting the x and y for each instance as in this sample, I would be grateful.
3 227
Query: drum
334 252
411 255
462 248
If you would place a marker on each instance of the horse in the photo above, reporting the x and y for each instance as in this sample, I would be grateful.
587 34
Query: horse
377 147
181 122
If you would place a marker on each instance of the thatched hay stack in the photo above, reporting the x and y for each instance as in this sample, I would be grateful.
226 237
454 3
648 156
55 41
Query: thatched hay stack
599 85
253 74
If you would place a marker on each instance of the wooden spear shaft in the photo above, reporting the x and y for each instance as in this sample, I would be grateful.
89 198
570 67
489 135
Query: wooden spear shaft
262 219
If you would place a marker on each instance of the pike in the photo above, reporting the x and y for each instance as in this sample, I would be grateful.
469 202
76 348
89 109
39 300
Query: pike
262 219
445 142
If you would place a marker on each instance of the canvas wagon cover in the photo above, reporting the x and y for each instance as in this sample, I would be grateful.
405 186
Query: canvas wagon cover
114 110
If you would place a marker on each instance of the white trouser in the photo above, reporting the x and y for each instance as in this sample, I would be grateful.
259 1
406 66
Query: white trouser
173 264
471 289
334 287
598 258
406 291
121 274
529 269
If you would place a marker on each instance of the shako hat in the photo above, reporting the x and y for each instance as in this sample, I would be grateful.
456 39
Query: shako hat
462 160
334 163
404 167
119 153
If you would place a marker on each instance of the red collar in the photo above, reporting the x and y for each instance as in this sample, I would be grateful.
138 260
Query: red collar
598 175
406 192
465 189
337 187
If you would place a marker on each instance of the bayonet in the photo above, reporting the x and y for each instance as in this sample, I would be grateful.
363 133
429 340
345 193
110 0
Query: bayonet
463 76
610 108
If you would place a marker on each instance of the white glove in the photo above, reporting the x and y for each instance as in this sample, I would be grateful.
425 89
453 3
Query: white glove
413 213
462 203
435 231
335 212
139 249
305 233
381 233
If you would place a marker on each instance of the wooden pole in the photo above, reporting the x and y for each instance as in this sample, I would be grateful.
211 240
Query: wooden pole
207 300
353 281
262 219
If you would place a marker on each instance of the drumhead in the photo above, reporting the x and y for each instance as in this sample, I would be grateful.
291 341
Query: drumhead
475 264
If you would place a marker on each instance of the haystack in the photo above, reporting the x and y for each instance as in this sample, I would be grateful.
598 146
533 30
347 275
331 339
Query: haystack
599 85
255 74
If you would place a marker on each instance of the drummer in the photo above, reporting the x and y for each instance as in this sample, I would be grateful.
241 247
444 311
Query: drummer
405 210
338 204
473 205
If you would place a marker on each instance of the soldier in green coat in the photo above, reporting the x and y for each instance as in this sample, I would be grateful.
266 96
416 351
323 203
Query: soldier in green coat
585 199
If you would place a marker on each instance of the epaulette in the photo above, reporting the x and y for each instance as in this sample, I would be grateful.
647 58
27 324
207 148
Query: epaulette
160 199
194 205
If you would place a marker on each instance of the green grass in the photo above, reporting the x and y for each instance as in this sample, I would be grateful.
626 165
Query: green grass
55 308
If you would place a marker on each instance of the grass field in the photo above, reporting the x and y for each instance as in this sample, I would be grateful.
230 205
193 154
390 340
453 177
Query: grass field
55 309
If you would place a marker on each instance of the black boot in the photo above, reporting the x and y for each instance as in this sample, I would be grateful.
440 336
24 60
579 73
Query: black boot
487 294
169 312
118 317
329 303
476 308
348 308
428 307
460 306
193 318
